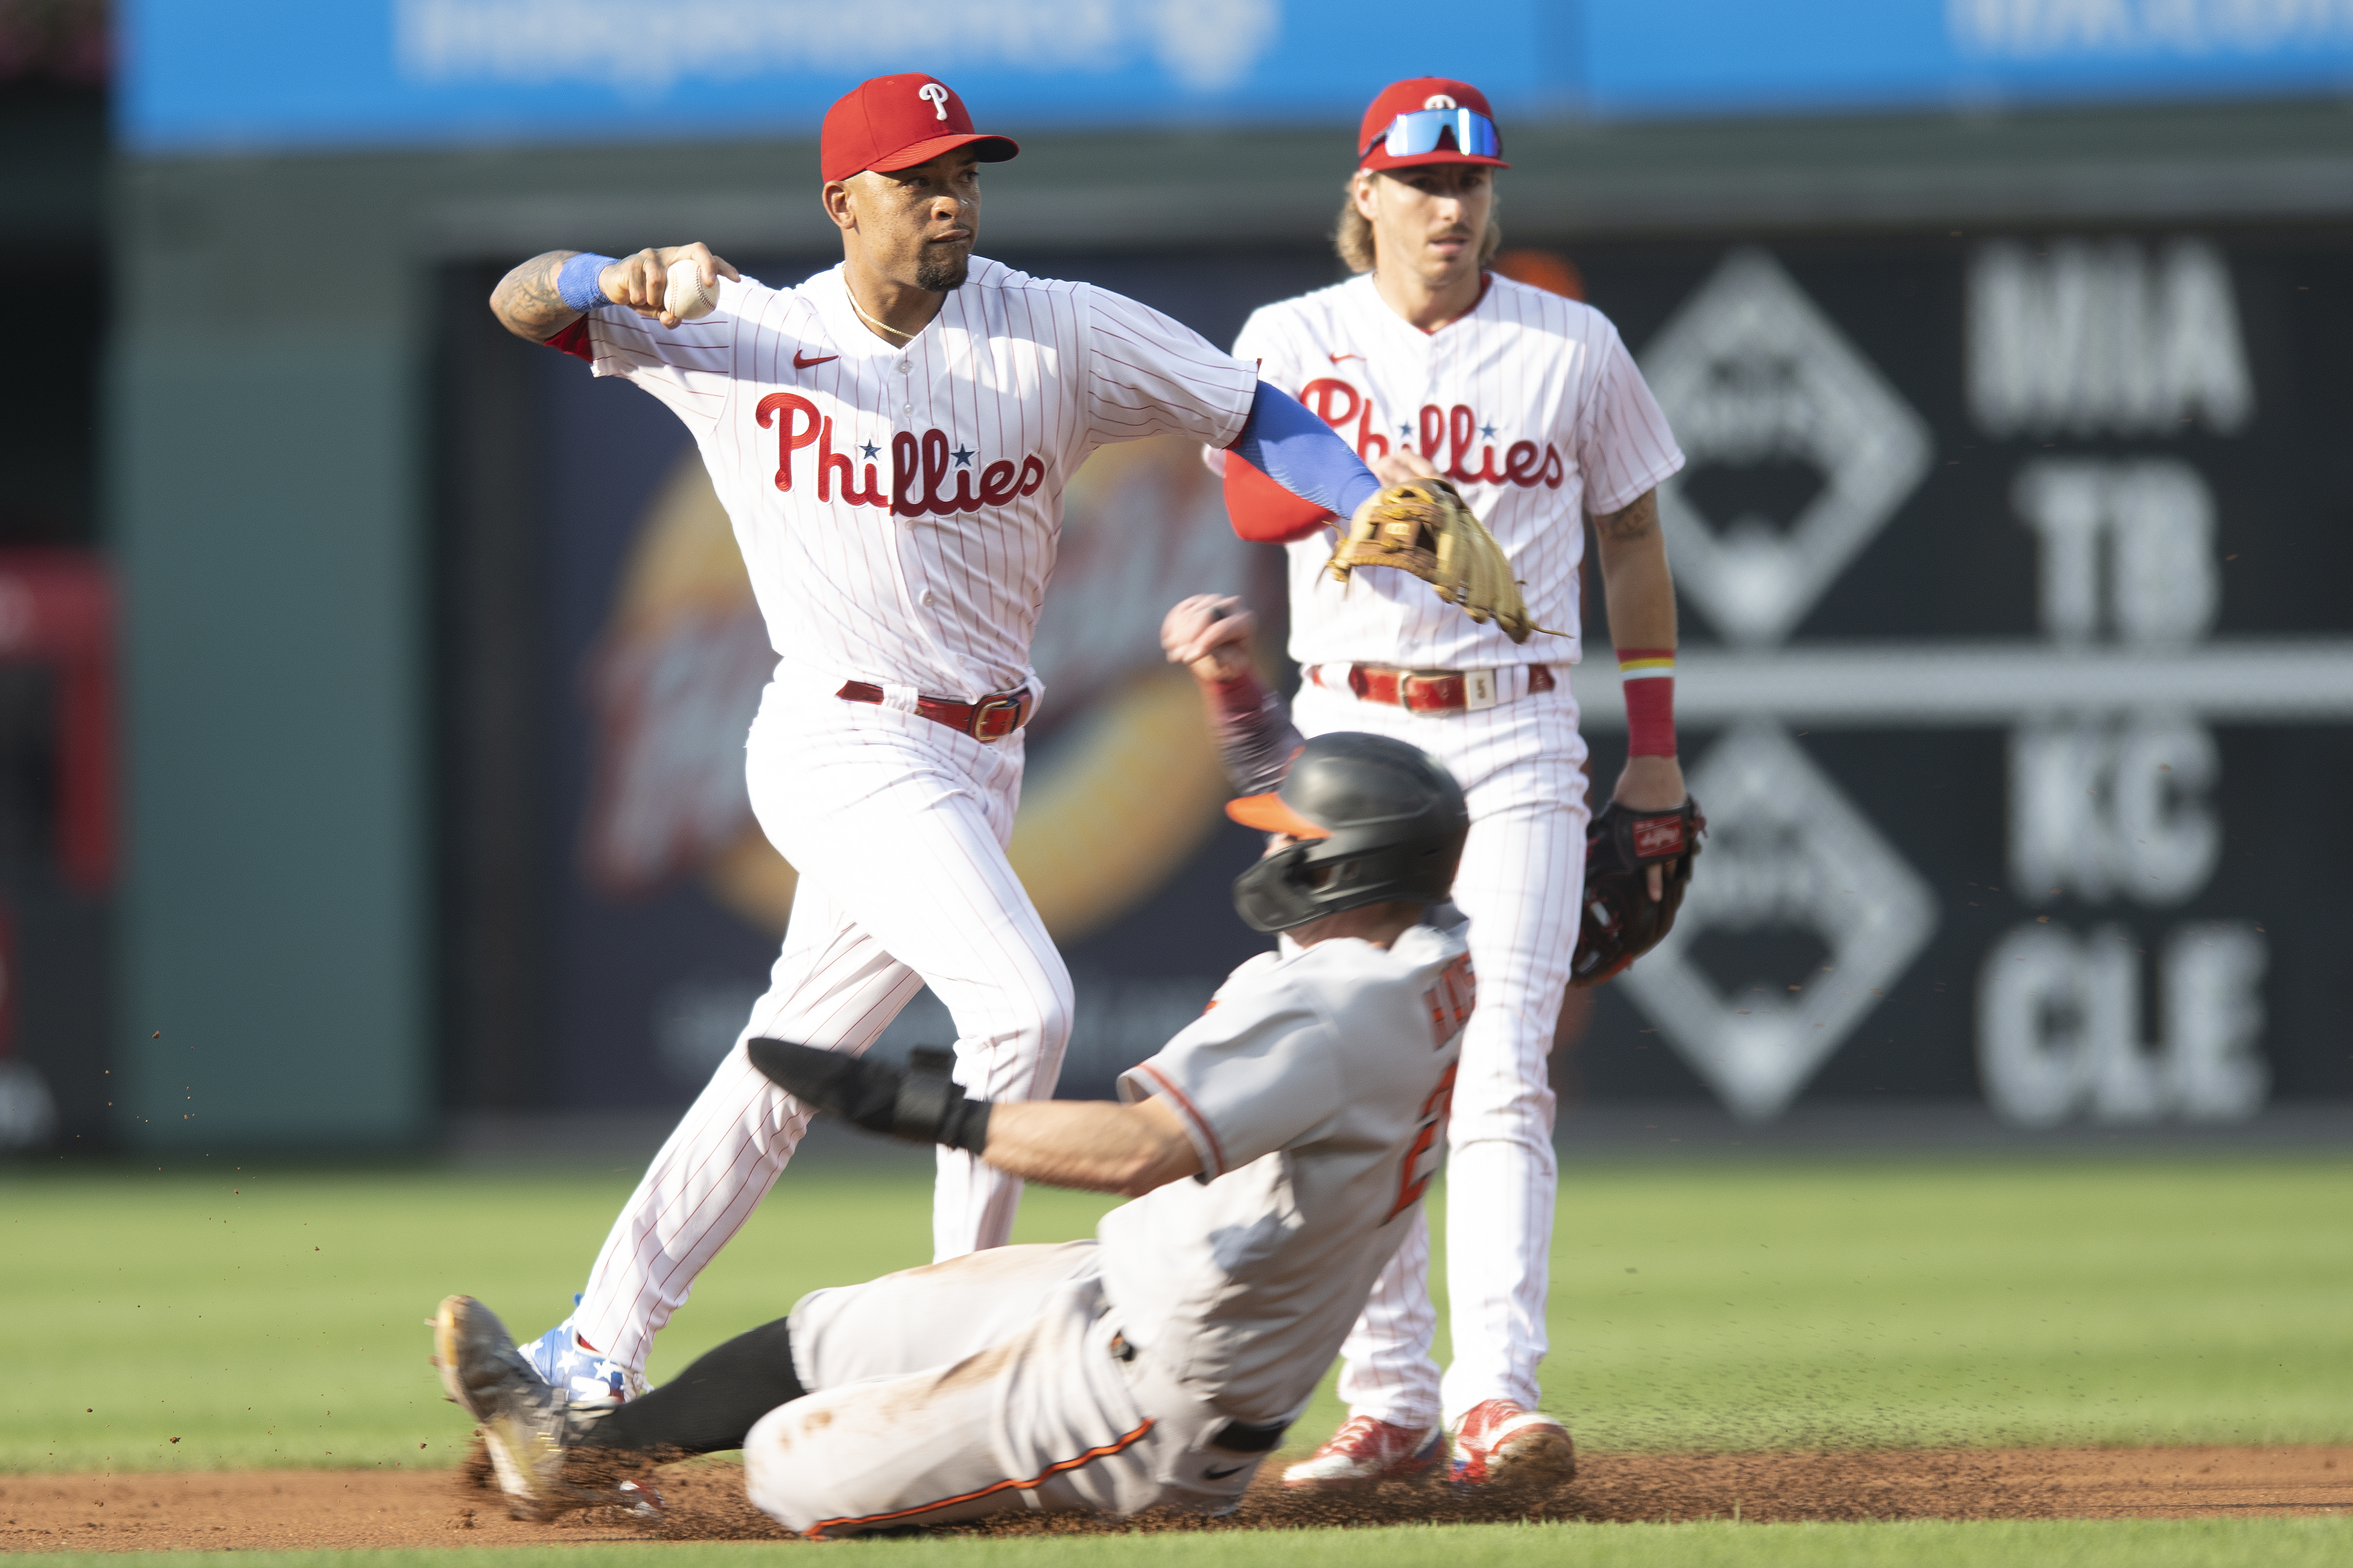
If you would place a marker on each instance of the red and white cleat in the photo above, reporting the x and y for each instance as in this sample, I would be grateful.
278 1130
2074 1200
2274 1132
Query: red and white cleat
1366 1451
1498 1443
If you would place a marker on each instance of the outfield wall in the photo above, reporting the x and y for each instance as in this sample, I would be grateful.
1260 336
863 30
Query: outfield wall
349 699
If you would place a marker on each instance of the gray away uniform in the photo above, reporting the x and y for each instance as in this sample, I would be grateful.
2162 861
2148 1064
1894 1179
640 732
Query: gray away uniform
1159 1362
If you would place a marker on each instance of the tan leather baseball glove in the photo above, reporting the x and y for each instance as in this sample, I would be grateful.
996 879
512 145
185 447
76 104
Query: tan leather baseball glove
1425 529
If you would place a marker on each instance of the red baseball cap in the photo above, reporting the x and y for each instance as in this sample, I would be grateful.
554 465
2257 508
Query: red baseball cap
1412 96
890 123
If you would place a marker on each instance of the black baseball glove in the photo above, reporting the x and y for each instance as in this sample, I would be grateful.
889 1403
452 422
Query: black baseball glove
1621 922
918 1103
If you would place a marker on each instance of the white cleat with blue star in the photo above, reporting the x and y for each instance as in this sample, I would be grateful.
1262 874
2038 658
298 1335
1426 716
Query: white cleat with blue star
582 1376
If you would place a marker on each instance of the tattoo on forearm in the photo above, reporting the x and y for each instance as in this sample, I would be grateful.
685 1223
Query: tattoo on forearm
526 301
1632 522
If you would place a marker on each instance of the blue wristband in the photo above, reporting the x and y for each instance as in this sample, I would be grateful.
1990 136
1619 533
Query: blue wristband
576 284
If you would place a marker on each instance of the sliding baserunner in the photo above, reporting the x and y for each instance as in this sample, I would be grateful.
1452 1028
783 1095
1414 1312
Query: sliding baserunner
1276 1149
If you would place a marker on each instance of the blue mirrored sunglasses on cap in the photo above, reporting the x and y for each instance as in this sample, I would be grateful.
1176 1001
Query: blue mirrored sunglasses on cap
1413 134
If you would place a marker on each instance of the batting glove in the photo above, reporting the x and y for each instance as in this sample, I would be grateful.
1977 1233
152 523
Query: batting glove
918 1103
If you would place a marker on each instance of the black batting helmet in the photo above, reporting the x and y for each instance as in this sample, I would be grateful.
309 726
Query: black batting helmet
1378 820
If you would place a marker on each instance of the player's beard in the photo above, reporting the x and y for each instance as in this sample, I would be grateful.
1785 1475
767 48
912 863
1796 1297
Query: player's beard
943 269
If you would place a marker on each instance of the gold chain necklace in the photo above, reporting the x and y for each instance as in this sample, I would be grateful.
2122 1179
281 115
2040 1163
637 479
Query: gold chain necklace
878 326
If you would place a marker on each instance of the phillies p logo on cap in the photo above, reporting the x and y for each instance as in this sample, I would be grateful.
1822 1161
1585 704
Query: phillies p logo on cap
1428 119
889 122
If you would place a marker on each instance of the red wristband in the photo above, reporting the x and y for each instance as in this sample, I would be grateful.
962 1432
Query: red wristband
1646 676
1240 698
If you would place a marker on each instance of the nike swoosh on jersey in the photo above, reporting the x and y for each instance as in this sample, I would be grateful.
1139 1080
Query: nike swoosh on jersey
1335 359
1221 1475
800 363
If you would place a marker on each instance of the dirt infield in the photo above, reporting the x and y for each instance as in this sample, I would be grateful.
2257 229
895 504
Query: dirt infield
336 1510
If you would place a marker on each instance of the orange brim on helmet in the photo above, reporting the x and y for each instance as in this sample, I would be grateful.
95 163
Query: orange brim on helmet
1268 814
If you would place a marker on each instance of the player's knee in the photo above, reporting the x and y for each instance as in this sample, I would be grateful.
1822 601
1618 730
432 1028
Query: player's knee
1049 1006
1019 1032
1052 1009
1062 1010
767 1481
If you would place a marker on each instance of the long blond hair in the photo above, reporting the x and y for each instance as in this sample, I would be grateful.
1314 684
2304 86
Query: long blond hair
1352 235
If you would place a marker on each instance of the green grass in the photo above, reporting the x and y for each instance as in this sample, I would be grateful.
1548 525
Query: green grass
2198 1301
271 1317
2275 1543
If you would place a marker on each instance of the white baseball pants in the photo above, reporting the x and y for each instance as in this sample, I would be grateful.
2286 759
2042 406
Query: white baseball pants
1521 768
990 1384
898 827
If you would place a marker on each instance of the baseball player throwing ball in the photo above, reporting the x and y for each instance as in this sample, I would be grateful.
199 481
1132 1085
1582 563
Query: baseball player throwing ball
1277 1149
891 440
1531 407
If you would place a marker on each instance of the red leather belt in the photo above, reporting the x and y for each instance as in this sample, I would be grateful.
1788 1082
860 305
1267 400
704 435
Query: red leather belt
1437 690
990 719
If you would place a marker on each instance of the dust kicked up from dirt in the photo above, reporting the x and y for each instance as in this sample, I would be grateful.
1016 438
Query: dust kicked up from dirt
703 1499
709 1503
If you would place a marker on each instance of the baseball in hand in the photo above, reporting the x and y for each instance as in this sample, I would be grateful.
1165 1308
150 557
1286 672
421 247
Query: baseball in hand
688 297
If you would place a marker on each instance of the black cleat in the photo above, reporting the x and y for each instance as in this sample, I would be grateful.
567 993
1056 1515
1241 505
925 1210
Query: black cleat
527 1425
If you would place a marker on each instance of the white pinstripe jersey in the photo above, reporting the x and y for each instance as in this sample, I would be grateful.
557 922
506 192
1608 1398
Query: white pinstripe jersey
898 508
1530 403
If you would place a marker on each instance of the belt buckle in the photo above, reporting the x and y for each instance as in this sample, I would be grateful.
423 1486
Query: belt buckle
986 710
1436 682
1478 689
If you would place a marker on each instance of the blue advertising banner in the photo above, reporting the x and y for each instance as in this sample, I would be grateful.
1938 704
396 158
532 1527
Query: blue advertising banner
230 75
1659 57
226 74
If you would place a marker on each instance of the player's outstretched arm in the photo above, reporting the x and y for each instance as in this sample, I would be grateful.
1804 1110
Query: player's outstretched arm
1091 1144
528 300
549 292
1099 1147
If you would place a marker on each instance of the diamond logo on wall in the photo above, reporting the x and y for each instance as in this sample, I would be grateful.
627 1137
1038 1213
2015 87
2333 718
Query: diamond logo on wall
1785 851
1749 372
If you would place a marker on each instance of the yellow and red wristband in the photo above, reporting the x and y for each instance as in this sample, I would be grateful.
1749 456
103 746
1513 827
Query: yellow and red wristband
1646 676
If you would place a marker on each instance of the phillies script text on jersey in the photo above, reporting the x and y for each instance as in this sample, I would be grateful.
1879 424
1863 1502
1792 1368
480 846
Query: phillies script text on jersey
1529 403
1446 434
959 441
927 461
